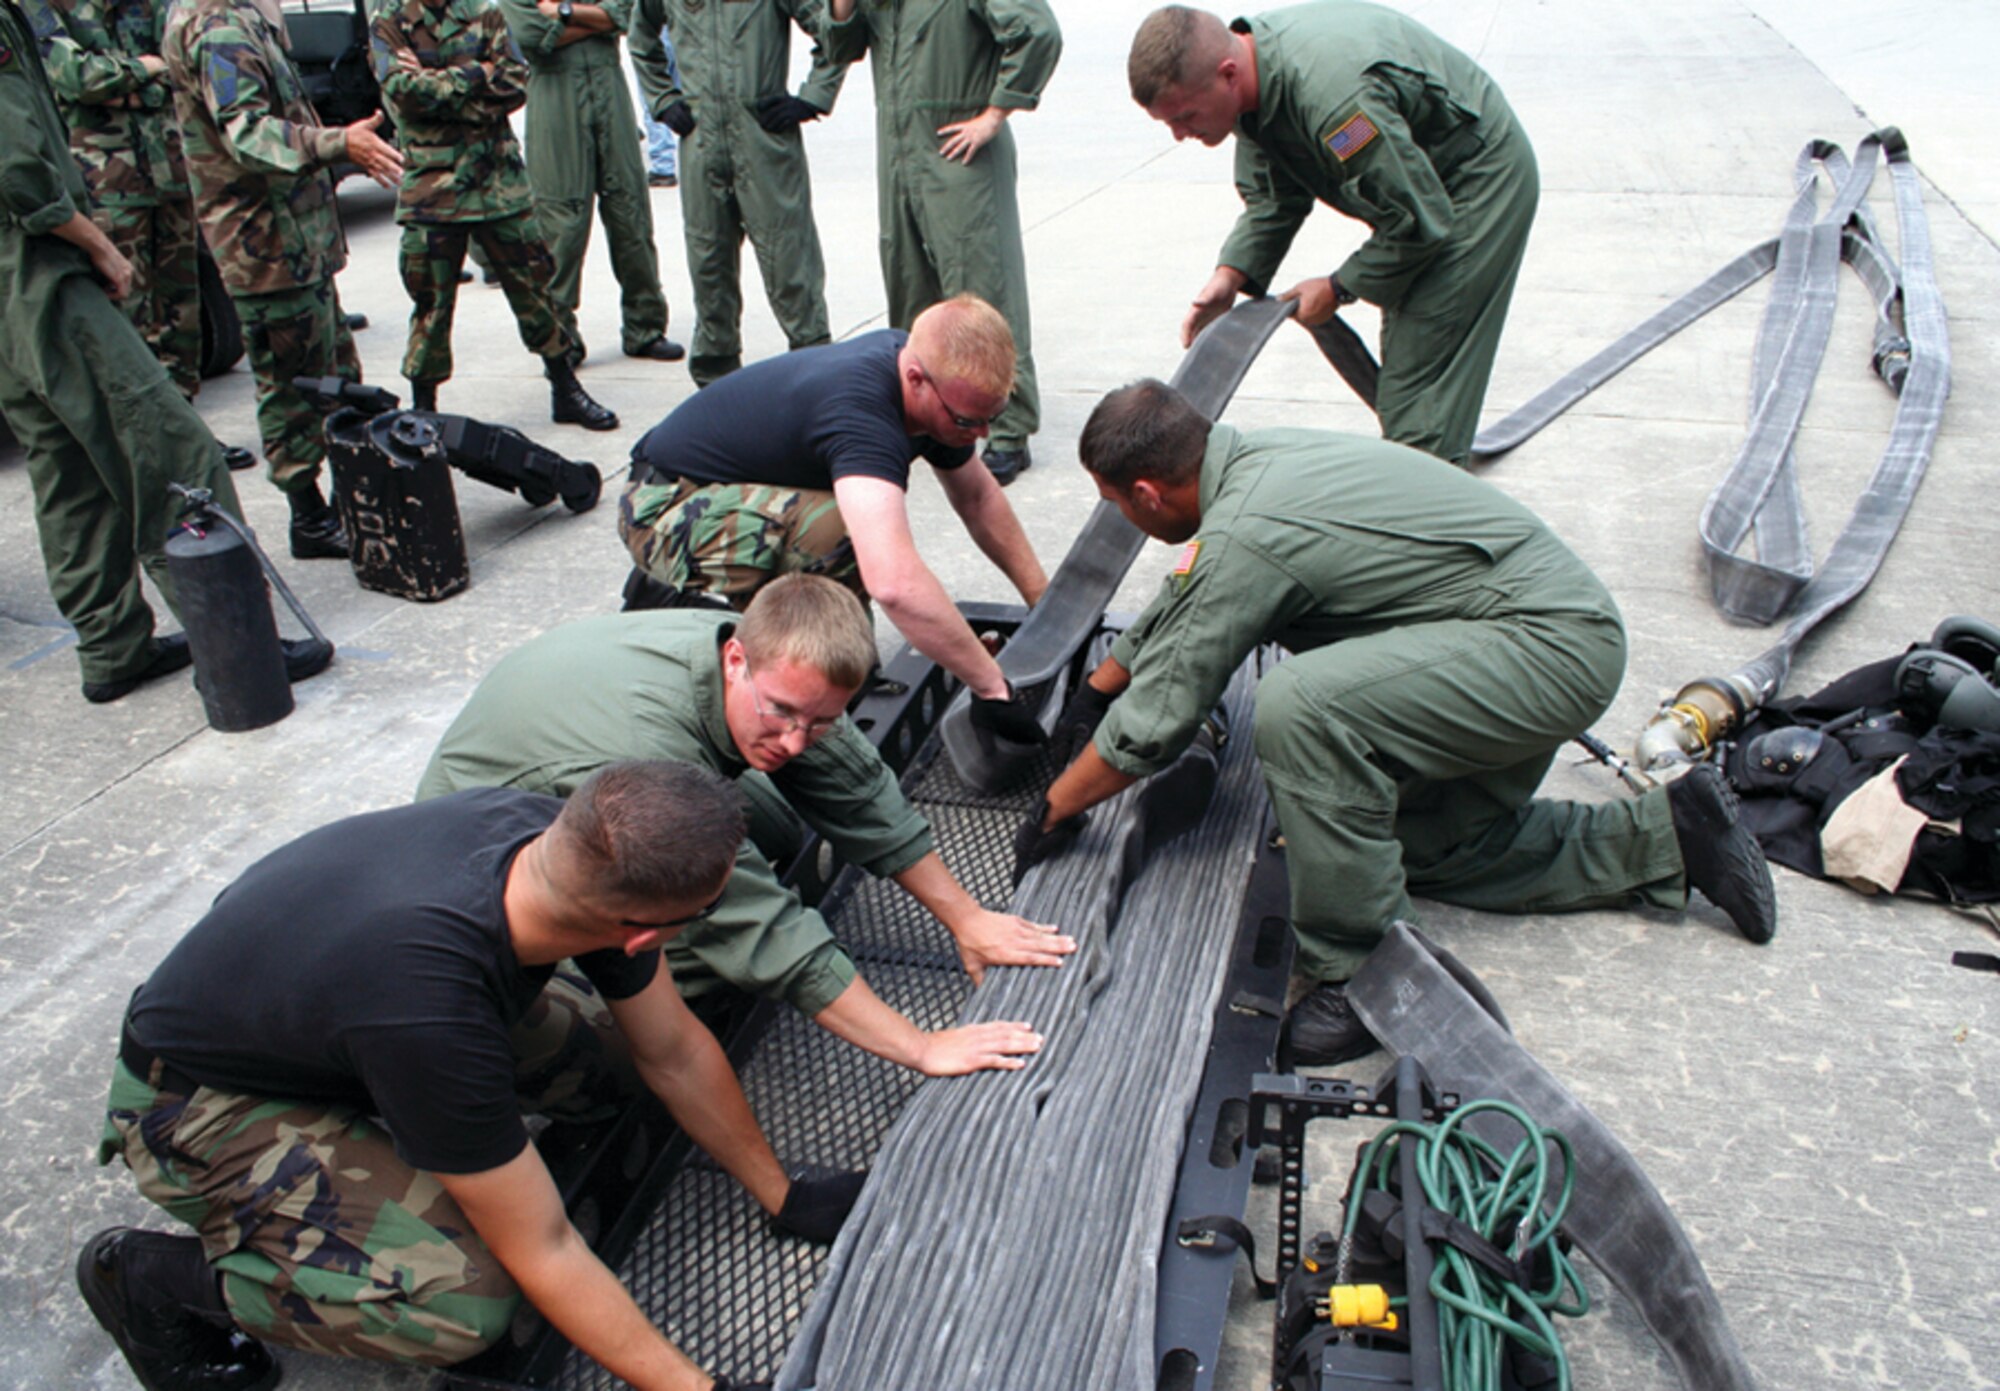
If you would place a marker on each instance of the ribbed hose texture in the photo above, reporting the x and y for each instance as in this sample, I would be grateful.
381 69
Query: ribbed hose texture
1009 1236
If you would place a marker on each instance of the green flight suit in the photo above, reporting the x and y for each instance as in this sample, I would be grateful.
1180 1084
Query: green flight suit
649 685
948 227
1374 115
259 160
583 144
1448 644
737 178
103 426
123 133
463 178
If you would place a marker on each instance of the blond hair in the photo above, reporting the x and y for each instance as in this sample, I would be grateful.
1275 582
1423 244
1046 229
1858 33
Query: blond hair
1175 47
810 620
965 340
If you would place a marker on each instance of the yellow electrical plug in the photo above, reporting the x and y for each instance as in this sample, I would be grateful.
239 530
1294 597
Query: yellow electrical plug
1359 1306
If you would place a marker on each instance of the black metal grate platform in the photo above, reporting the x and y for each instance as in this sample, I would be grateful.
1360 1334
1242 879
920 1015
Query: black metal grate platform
707 1267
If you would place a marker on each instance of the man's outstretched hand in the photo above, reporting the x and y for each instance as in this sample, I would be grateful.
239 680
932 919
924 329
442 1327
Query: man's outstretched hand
376 157
1002 1045
1006 939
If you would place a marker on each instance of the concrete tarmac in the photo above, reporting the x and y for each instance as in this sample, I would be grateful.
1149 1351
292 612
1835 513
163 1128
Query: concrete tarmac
1822 1113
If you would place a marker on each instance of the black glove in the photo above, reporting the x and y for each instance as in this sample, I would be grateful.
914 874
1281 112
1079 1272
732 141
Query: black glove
723 1383
781 113
1008 719
1081 714
1032 844
679 119
816 1207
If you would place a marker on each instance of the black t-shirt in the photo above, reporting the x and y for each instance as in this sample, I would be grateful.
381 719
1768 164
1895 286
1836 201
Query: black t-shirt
368 963
799 420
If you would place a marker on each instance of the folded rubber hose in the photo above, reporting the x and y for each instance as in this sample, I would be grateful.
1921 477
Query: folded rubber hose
1035 1200
1412 1003
1069 611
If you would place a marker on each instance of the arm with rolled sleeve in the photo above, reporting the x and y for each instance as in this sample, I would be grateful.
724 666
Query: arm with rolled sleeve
538 36
846 792
40 189
846 39
823 81
1030 44
761 938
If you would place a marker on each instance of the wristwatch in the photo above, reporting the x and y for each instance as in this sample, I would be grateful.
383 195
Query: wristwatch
565 9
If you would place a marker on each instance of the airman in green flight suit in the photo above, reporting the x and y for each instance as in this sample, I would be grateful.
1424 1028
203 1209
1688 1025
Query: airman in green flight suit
1445 645
948 75
743 160
1361 108
583 148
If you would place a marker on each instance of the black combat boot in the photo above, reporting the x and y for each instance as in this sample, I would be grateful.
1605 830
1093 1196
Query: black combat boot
1323 1029
158 1299
165 655
423 395
706 368
1721 857
661 349
569 403
316 530
1007 464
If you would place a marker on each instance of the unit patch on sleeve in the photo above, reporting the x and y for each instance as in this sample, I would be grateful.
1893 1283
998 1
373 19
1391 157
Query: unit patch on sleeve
1185 565
1351 136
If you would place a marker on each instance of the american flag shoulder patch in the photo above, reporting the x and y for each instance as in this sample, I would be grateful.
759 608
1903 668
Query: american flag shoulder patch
1351 136
1185 564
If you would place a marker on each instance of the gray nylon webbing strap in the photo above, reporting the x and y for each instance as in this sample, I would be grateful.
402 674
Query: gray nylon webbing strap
1096 564
1760 494
1009 1233
1410 1001
1916 364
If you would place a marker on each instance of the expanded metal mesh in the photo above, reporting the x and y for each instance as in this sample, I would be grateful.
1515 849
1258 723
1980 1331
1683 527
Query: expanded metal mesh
707 1268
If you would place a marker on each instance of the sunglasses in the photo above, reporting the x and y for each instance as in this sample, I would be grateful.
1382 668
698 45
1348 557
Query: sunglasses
963 422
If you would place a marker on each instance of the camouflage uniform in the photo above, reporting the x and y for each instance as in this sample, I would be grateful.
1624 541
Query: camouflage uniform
731 539
258 159
122 131
463 179
583 144
324 1238
103 427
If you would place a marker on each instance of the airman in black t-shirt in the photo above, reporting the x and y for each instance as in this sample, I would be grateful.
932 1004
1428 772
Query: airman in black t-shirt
325 1078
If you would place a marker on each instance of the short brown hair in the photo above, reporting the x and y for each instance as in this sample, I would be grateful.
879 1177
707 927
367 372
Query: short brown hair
650 831
810 620
1145 430
1172 48
966 340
